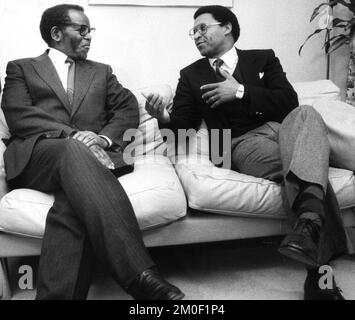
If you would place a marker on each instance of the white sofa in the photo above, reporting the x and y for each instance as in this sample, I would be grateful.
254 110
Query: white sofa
223 204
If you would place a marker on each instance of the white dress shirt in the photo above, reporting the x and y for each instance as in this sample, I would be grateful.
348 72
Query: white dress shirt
230 61
58 59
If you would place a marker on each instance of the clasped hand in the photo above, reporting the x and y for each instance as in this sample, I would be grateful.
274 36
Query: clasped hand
218 93
96 144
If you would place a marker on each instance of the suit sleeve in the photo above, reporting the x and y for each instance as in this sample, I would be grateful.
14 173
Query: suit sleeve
184 114
22 116
123 112
277 98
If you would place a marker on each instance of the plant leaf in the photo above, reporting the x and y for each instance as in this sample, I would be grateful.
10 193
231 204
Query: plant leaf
344 3
337 44
335 37
316 11
310 36
337 21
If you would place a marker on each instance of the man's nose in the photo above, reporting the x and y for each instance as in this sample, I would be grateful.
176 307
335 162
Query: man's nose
88 36
197 35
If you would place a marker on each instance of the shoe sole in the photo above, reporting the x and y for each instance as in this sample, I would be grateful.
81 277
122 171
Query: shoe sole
295 253
178 297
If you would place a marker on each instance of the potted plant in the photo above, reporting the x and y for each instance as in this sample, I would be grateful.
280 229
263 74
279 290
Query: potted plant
327 24
338 32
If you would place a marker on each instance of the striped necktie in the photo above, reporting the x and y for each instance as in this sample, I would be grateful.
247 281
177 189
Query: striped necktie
71 79
218 63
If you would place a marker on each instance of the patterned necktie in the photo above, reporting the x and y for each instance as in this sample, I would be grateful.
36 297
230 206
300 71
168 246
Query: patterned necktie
218 64
71 78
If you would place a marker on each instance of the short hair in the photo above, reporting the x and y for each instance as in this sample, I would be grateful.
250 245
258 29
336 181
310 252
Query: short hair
54 16
223 15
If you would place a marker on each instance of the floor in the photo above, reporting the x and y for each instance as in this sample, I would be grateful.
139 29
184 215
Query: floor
220 271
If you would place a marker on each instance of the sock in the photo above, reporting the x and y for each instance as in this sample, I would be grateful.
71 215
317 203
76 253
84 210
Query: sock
309 204
312 271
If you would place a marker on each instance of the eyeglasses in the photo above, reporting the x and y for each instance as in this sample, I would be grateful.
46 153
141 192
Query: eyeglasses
84 30
201 28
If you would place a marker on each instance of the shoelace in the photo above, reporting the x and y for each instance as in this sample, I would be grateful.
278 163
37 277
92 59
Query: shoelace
309 226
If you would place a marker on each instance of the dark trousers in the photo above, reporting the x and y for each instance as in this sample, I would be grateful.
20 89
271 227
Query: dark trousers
291 153
92 217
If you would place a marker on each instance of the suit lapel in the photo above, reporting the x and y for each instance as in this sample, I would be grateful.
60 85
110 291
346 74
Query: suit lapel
205 73
45 69
248 67
84 74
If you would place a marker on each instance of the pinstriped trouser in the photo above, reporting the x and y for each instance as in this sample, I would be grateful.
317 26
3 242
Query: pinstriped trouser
91 217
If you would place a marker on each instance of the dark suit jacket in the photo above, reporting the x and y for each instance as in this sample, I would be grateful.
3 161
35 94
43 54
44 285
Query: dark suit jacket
269 98
36 106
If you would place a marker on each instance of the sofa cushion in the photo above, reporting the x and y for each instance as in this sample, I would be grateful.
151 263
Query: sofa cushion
340 120
153 188
147 138
310 91
225 191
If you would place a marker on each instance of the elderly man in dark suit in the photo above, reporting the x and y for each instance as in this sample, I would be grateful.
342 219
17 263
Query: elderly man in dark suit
247 93
67 116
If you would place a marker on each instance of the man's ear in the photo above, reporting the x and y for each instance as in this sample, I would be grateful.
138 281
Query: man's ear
228 27
56 34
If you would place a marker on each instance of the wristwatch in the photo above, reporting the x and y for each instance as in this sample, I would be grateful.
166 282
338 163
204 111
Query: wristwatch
240 92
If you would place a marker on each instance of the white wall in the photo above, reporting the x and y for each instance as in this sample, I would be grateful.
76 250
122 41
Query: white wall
149 45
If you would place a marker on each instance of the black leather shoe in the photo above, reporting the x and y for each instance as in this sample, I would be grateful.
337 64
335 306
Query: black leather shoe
302 243
149 285
312 291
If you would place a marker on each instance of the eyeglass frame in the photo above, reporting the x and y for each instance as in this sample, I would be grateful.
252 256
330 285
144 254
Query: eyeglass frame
89 30
192 33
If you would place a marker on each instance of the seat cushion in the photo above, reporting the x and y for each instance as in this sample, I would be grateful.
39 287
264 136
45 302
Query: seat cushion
224 191
153 188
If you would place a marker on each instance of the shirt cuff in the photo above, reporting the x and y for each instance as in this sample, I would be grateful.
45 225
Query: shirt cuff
107 139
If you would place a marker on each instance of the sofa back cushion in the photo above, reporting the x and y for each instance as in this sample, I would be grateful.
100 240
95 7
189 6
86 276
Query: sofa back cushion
148 140
340 120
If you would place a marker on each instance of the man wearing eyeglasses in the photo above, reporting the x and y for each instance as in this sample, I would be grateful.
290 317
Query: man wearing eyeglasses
67 116
247 92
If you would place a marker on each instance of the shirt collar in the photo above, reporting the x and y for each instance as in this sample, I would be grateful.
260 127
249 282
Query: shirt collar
230 58
57 56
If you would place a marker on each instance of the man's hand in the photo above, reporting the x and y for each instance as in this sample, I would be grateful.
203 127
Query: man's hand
90 139
218 93
156 107
102 156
